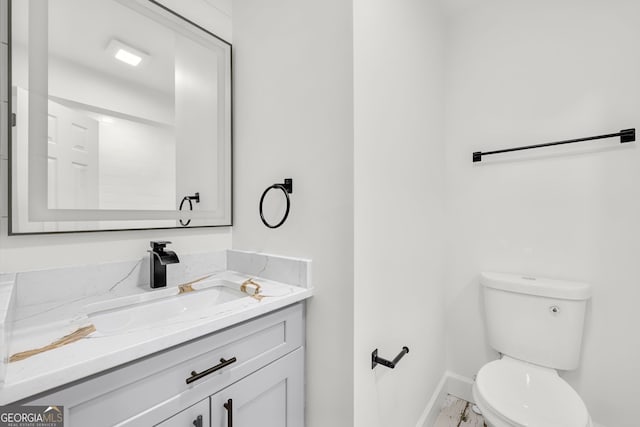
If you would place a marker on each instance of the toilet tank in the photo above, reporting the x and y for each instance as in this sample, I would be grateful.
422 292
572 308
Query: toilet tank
535 319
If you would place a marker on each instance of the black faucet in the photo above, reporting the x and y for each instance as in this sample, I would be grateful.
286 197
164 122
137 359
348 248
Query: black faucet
159 258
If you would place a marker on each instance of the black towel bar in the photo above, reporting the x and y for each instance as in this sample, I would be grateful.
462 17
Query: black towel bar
375 360
626 135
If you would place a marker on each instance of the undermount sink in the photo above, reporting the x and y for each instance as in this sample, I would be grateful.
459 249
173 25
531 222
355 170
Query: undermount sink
143 312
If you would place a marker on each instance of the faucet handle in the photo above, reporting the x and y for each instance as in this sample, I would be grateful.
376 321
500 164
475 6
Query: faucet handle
159 245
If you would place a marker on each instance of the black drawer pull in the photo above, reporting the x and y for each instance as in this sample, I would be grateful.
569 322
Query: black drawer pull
229 407
198 421
196 376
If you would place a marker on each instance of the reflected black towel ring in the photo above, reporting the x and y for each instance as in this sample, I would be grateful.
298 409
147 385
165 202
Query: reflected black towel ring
287 188
195 197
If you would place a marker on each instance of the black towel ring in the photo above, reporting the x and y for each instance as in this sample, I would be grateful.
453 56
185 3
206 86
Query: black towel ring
287 188
195 197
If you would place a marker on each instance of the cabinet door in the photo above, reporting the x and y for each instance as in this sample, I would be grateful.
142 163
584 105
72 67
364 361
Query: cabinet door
270 397
194 416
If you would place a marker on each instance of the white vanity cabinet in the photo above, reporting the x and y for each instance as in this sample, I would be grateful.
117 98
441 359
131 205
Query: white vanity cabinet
258 364
271 397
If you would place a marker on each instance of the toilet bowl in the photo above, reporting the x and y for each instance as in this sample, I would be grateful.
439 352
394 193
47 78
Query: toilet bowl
537 325
513 393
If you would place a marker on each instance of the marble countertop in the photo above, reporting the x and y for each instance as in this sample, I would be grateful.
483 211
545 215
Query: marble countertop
38 325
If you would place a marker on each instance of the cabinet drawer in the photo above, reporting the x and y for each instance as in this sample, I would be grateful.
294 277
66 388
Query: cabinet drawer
150 390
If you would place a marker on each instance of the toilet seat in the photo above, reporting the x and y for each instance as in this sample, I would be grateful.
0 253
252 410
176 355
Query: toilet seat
522 394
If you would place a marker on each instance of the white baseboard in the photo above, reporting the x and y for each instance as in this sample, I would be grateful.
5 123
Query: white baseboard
459 386
451 383
430 413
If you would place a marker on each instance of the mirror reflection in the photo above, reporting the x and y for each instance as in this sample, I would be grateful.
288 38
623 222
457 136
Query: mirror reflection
137 117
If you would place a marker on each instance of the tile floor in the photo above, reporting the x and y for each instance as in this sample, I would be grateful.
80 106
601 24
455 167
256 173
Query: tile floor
457 413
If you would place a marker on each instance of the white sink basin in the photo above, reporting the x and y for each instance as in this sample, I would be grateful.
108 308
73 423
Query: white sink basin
140 314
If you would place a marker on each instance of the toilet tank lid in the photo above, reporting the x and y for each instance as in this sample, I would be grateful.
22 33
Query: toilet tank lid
552 288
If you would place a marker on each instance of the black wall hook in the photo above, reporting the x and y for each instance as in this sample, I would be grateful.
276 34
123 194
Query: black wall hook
375 360
286 188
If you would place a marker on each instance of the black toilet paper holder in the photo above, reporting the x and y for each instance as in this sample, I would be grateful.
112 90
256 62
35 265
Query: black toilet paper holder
375 360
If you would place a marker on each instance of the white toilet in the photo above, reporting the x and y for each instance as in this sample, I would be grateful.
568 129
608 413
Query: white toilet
536 324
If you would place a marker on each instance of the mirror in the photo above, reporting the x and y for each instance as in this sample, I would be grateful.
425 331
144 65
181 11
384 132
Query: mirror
121 113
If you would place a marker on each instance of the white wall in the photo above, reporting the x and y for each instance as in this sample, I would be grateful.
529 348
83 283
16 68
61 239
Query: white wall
399 182
34 252
293 110
528 72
